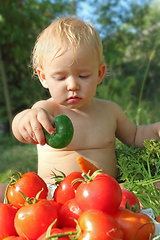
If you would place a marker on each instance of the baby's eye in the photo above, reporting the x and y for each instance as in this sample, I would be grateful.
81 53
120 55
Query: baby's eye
59 78
84 76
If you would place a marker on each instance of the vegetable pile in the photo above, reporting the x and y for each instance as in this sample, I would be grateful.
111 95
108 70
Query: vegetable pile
86 205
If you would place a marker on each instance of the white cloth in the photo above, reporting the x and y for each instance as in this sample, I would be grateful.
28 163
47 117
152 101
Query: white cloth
51 189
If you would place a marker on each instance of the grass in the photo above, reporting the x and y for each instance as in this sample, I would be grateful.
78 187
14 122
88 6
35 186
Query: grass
16 156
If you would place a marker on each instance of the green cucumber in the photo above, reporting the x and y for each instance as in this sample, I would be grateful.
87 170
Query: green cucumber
63 132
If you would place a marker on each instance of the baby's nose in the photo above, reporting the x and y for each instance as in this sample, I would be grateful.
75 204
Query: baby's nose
72 84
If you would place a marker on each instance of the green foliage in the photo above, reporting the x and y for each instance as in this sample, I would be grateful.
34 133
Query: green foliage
114 89
140 170
137 163
128 43
16 156
20 24
129 32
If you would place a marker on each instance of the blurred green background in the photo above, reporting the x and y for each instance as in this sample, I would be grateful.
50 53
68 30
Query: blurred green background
130 32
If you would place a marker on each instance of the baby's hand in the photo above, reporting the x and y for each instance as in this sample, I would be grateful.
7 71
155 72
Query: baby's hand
30 125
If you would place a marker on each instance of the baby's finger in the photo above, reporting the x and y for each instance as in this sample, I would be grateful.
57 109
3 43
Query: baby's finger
29 132
37 132
27 137
46 121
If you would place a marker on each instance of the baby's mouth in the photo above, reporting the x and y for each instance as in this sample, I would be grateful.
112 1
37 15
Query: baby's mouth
73 99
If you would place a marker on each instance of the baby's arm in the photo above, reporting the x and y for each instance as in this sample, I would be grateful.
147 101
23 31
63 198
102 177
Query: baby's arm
147 132
130 134
27 126
2 191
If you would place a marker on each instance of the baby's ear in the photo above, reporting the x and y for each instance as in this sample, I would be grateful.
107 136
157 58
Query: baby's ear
42 77
101 73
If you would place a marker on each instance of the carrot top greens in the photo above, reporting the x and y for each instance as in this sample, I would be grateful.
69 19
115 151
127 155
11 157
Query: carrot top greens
139 169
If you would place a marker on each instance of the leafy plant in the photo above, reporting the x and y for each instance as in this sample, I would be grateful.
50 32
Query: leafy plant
139 168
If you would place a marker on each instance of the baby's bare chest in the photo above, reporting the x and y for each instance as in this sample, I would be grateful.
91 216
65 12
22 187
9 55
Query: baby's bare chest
93 132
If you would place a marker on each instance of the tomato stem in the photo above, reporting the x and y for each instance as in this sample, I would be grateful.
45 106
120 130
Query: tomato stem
50 228
59 235
88 178
13 179
32 200
5 194
141 228
133 208
58 178
64 234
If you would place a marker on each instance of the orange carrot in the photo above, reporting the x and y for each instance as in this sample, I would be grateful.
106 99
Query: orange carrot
85 165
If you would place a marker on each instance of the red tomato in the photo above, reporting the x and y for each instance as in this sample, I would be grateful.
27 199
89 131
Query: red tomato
158 219
57 207
65 191
68 230
29 184
102 193
53 231
15 238
7 215
132 223
95 224
68 212
131 197
34 219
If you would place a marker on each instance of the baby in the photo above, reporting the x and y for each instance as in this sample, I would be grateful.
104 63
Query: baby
68 60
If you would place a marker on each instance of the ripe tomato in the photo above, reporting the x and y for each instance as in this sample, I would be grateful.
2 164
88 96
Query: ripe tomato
68 212
158 219
55 204
102 193
131 197
65 191
29 184
69 230
95 224
15 238
57 207
53 231
134 223
34 219
7 215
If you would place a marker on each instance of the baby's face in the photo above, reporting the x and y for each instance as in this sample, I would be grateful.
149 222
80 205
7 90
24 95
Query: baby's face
72 78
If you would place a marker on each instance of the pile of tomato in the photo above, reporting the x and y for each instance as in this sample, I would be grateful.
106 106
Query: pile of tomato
82 207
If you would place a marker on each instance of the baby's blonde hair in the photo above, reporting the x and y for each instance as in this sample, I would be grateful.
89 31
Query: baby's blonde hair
64 32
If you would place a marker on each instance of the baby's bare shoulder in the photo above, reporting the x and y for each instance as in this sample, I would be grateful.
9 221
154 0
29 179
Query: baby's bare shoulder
47 105
43 103
108 105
